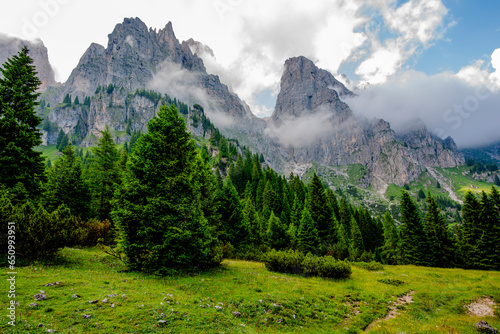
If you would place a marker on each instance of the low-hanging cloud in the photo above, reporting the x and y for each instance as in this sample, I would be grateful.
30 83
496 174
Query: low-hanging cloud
184 85
301 131
449 106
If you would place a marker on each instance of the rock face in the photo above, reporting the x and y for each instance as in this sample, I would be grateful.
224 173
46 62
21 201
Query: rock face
311 123
137 58
10 46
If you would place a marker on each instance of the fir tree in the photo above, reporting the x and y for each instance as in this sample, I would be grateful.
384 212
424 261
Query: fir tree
307 234
415 247
19 162
440 240
66 185
60 137
342 244
489 243
105 174
391 247
357 245
276 233
77 101
251 222
231 214
471 231
158 208
320 210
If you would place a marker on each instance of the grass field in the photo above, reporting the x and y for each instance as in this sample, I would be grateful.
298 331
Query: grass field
267 302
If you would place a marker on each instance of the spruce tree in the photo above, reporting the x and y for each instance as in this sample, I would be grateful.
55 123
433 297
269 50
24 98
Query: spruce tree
104 174
343 243
357 245
307 234
471 231
60 137
251 222
19 162
488 244
276 233
320 210
415 247
66 185
231 214
440 240
158 209
391 247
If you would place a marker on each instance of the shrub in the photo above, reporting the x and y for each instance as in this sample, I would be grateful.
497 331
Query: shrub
91 232
369 265
330 268
284 261
38 233
310 265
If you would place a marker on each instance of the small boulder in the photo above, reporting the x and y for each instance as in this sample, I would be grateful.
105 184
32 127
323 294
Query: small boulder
162 321
40 296
33 305
75 296
484 327
86 316
236 314
93 301
105 300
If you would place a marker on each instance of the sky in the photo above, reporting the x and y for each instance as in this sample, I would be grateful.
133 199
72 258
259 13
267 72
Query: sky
428 59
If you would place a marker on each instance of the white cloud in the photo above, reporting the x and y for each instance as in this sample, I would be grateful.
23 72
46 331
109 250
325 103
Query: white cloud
414 26
462 105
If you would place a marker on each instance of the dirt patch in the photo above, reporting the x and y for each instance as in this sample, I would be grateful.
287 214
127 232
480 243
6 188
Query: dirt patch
484 307
393 312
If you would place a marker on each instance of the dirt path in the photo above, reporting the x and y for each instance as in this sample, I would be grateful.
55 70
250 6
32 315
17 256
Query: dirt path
393 312
445 184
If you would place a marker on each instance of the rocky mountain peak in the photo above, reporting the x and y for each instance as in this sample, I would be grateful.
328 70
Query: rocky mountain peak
10 46
304 88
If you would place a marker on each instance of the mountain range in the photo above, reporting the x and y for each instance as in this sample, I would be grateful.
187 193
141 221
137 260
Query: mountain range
311 122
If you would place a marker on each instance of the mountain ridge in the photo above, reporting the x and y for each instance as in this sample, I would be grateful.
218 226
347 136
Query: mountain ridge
311 121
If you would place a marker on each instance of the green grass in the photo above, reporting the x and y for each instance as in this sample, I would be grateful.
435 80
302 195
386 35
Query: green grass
461 183
49 152
304 305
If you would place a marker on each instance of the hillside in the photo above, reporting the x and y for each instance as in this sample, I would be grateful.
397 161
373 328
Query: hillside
266 302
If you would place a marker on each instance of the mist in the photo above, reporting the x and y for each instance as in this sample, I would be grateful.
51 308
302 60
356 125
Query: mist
183 84
447 104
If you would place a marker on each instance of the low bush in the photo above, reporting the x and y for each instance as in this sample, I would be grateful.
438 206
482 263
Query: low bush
294 262
372 266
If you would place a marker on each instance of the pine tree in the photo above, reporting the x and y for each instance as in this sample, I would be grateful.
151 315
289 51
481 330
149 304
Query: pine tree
77 101
357 245
307 234
320 210
440 240
60 137
391 247
345 216
251 222
488 244
231 214
471 231
332 200
19 162
158 208
66 185
415 247
105 174
343 243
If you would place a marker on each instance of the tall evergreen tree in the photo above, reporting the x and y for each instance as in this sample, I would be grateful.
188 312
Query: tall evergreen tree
307 234
489 242
415 247
471 231
391 247
66 185
357 246
158 208
440 240
276 233
251 222
104 174
231 214
19 162
320 210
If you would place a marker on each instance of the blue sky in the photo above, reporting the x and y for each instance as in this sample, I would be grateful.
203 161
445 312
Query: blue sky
474 36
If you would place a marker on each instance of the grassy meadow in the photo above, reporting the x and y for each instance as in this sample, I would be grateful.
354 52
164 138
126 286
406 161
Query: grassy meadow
265 302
